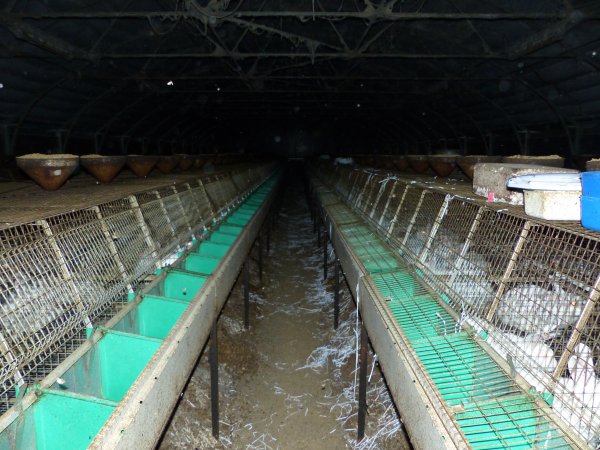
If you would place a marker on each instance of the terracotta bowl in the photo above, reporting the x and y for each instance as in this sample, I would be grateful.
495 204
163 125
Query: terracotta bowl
167 163
418 163
467 163
49 171
592 165
550 160
401 163
442 165
141 165
185 161
103 168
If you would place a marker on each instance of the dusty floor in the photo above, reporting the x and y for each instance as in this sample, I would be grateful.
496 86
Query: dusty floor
288 382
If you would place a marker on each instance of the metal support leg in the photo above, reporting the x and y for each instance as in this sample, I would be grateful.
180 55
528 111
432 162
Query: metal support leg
325 255
362 387
246 280
336 295
268 239
260 257
214 380
318 230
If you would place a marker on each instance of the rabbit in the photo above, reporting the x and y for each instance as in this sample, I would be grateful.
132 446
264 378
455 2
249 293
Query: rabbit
533 309
530 356
577 397
534 349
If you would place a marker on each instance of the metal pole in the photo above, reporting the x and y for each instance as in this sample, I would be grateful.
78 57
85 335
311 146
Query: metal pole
318 222
362 387
260 257
336 295
246 295
325 254
214 380
268 238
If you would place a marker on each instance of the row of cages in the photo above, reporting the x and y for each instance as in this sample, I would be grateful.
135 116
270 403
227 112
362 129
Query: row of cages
528 288
61 275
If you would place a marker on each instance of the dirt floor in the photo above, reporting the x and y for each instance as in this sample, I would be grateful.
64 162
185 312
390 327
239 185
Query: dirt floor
289 381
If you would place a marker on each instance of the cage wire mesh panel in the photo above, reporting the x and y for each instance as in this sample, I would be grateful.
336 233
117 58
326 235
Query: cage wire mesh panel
40 311
88 261
215 191
528 288
189 205
202 201
159 225
169 199
63 273
134 250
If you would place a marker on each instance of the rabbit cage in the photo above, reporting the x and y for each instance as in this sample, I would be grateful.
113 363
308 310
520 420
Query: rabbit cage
64 273
525 289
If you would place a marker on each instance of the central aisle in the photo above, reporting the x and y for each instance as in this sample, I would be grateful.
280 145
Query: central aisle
287 383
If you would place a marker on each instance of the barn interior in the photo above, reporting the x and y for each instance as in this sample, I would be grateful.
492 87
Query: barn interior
299 224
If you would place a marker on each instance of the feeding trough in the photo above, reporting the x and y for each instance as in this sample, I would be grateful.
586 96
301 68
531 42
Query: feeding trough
442 165
141 165
49 171
419 163
185 161
167 163
467 163
103 168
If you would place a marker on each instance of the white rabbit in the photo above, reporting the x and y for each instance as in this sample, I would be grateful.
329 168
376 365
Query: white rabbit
533 351
531 357
530 308
577 398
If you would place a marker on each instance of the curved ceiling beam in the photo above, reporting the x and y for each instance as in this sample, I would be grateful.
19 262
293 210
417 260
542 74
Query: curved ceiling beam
70 124
554 109
108 124
25 112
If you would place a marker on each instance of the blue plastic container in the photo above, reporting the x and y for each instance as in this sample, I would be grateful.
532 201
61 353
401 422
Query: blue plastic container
590 212
590 182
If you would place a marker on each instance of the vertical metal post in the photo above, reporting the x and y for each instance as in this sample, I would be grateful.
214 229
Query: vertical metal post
260 257
362 386
336 295
246 295
318 221
214 379
268 238
325 254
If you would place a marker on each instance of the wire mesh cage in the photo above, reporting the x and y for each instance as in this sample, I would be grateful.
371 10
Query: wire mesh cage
40 311
64 273
134 249
218 194
202 201
528 288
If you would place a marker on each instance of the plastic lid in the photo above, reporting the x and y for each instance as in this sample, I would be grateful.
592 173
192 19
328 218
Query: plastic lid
547 182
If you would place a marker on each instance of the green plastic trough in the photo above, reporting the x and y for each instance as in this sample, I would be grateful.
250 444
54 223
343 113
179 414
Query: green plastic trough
70 414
